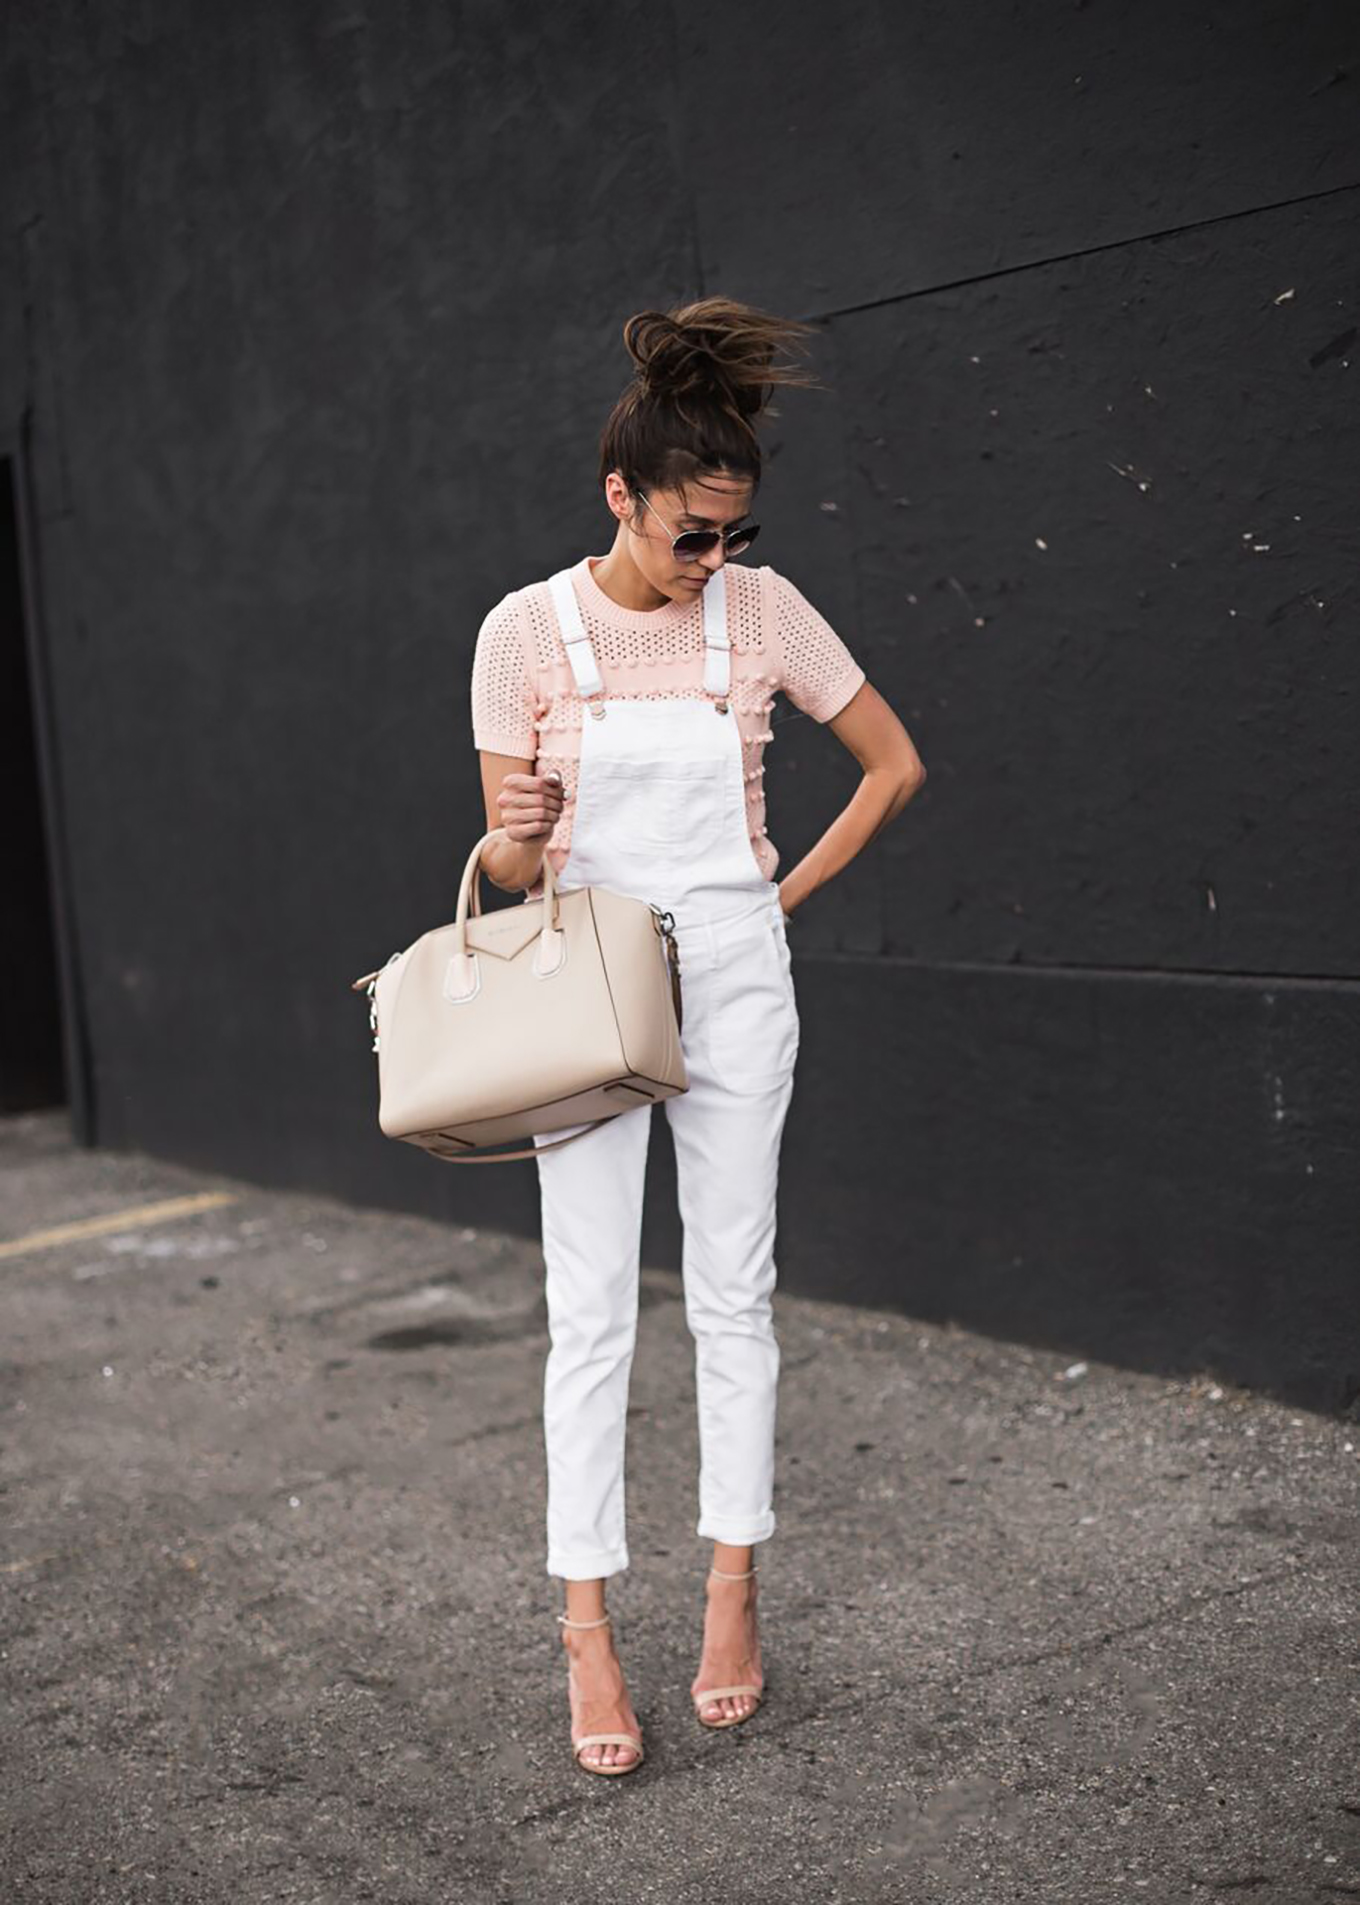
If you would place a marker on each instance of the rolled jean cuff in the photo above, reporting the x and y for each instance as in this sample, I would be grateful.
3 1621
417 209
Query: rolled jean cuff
736 1530
589 1567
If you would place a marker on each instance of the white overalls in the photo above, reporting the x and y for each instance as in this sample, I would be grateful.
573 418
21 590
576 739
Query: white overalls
660 815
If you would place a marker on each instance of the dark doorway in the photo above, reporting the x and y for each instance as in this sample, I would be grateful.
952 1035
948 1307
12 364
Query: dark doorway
31 1069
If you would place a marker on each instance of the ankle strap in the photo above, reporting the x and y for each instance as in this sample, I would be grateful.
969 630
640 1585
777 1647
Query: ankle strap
602 1622
732 1577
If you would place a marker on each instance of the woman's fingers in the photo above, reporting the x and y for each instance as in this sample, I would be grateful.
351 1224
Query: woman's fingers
530 804
534 786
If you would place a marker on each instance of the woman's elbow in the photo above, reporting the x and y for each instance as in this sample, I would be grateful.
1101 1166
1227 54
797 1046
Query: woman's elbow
910 780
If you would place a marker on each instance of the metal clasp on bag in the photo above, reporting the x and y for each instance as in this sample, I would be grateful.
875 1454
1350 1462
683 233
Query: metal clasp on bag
665 926
369 984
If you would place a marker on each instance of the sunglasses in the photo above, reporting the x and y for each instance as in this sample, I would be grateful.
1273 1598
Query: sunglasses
698 542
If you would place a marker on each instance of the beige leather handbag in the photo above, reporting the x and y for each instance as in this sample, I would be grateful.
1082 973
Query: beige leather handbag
511 1024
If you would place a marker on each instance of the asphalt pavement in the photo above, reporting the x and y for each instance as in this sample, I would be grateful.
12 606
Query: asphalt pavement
276 1623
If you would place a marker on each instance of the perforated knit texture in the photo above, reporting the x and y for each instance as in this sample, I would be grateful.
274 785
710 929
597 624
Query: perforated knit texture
525 703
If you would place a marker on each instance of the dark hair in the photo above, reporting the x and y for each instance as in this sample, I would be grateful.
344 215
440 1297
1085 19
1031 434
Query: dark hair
705 373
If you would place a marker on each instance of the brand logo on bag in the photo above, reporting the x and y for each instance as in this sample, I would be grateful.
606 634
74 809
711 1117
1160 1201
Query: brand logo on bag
505 935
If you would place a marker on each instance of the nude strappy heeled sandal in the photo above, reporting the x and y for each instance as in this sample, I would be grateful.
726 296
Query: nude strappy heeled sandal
598 1739
709 1694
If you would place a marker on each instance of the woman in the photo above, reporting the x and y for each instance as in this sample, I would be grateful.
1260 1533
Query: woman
620 713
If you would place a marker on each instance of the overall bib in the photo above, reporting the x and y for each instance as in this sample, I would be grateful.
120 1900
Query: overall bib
660 816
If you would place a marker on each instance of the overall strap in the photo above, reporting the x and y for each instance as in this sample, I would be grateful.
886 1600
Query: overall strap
717 642
585 669
579 651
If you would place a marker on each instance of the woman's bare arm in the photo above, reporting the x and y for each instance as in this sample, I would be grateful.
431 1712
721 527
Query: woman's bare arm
893 772
528 806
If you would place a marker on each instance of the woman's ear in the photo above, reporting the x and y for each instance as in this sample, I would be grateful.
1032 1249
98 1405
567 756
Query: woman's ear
616 494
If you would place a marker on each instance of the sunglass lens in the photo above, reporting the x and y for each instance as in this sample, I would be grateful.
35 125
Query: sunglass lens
695 542
698 542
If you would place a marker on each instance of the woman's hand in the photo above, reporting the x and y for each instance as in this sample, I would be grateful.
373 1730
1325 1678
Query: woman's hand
527 806
530 805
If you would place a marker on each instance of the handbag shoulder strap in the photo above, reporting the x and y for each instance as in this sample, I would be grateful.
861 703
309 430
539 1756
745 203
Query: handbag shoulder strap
508 1157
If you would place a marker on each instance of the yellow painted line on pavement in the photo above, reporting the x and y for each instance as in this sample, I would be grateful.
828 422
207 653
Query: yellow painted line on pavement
135 1219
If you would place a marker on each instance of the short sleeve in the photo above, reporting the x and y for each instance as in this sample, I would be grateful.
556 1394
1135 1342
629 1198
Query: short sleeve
502 693
820 674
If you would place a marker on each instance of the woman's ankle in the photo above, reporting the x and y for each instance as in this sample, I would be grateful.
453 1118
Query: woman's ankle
585 1601
728 1559
597 1646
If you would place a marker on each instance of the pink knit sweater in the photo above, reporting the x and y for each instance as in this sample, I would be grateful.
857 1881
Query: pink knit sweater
525 703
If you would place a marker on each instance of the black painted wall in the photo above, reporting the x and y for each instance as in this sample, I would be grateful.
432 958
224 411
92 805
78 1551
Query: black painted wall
314 311
30 1012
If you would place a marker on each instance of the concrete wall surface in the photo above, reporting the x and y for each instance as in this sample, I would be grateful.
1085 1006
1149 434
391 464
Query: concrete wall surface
309 318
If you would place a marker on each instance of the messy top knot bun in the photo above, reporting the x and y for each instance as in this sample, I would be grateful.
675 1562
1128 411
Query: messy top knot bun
704 358
704 373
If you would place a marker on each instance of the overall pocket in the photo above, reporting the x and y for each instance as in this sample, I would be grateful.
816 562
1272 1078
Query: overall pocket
661 807
754 1028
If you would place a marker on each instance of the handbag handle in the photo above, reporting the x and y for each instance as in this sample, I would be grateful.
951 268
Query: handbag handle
470 899
470 890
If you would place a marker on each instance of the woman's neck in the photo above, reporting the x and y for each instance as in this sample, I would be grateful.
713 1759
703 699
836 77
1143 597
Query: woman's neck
618 577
